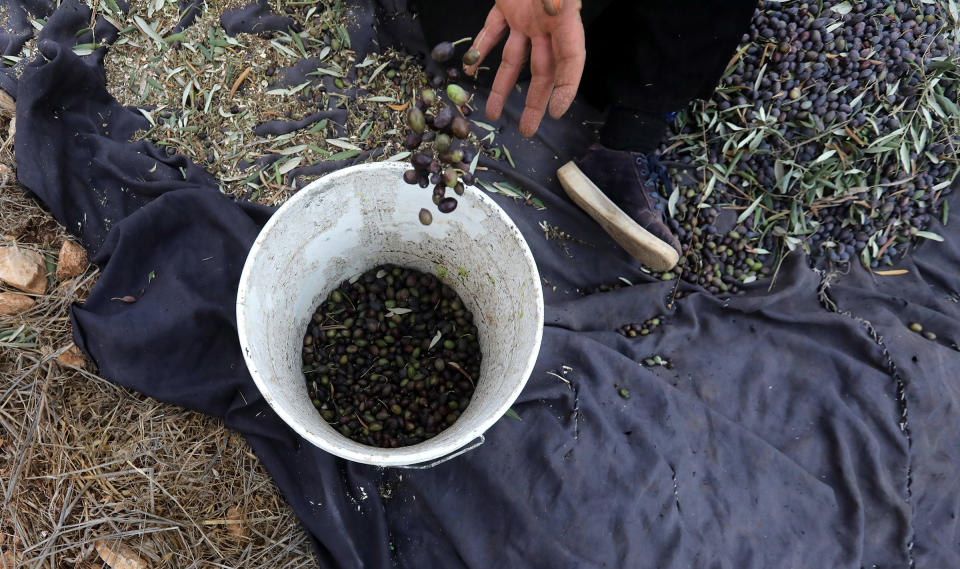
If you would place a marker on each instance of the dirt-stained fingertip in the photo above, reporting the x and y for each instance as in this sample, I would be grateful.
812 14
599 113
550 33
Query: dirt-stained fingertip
493 108
560 101
529 124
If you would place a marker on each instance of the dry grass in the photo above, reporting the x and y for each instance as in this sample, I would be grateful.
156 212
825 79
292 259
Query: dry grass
82 459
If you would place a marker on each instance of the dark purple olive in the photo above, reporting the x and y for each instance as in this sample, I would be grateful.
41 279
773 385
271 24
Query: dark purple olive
411 176
468 178
424 180
447 205
460 127
453 73
420 160
426 217
442 52
443 118
459 188
412 141
434 167
440 190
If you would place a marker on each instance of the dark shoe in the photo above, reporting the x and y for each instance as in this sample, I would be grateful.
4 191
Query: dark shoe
618 189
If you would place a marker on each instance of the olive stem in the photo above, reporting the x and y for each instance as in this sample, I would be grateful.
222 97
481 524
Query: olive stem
457 367
361 421
364 374
461 40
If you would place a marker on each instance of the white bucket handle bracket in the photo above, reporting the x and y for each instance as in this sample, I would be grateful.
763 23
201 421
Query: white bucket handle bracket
476 442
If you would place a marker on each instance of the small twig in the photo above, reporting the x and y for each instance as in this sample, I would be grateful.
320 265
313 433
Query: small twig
558 376
882 249
854 136
457 367
236 84
361 421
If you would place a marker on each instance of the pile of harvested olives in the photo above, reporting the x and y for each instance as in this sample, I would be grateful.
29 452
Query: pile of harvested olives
832 95
391 357
439 133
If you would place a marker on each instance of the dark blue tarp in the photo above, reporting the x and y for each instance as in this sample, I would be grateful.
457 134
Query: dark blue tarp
802 426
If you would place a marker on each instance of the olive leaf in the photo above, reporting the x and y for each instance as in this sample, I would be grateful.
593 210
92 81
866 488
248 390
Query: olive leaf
746 213
148 30
842 8
340 143
289 165
672 202
929 235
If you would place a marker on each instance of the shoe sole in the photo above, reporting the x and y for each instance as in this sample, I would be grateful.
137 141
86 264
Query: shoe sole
637 241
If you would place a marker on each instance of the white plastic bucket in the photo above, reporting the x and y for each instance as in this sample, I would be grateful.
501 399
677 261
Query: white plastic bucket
350 221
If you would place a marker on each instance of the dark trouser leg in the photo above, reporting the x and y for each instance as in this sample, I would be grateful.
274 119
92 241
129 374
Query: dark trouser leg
645 58
648 58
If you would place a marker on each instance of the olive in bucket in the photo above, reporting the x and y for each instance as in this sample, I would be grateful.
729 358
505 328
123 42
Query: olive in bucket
391 357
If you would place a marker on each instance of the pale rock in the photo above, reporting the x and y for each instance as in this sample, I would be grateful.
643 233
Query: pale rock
119 556
23 269
72 261
9 560
236 522
72 357
14 303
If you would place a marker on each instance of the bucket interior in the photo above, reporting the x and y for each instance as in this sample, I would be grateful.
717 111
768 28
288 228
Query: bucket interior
351 221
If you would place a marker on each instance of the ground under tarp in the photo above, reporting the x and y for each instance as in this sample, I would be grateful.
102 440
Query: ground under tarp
802 425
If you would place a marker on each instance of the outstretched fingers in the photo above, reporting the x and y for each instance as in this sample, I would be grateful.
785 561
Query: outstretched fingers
569 53
515 53
541 85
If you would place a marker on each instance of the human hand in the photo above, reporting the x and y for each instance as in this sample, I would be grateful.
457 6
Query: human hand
554 44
